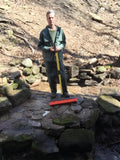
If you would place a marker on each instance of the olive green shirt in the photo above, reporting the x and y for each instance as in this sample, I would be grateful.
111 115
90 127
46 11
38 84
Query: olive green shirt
53 35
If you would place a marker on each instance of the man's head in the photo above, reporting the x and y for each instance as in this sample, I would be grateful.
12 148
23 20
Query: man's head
50 17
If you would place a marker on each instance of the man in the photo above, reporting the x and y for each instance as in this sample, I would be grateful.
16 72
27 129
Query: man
51 40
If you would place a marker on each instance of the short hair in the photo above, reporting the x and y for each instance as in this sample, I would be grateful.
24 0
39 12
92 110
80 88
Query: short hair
50 11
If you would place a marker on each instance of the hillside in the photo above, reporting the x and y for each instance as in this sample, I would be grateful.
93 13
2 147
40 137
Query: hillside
87 36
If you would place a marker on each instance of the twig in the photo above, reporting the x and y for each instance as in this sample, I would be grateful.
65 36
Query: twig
6 20
26 41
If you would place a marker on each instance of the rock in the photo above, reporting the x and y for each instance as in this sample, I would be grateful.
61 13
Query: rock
118 3
109 91
84 76
15 145
43 70
91 83
36 124
96 17
44 79
35 69
73 84
27 71
76 140
14 74
93 61
89 103
115 73
100 77
8 89
109 104
38 76
51 128
4 81
18 96
31 79
100 69
44 144
27 62
88 117
73 80
15 62
5 104
14 85
74 71
76 108
67 120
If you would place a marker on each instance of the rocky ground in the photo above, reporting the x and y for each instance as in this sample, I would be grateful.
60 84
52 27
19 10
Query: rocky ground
88 35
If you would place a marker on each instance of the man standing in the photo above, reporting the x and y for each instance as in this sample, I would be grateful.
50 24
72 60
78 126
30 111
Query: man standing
51 40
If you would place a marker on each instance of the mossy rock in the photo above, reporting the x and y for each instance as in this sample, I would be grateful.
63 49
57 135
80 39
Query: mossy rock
66 120
19 96
77 140
30 79
27 71
109 104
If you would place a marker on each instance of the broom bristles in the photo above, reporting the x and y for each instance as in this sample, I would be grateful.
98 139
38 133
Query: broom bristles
62 101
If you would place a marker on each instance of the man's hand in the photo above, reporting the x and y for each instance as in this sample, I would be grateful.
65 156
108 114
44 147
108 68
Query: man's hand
51 49
57 48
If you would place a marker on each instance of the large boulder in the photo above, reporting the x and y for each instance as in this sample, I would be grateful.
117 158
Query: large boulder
18 96
76 140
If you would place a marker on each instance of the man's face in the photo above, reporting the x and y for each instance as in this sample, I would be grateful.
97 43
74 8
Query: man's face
50 19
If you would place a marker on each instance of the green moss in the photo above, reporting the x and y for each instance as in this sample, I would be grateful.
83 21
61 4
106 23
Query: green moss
68 119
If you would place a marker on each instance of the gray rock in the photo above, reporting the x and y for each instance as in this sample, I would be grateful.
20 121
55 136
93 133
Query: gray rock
100 77
15 62
84 76
43 70
44 144
109 91
27 62
14 73
115 73
95 17
72 84
88 117
91 82
35 69
76 108
73 80
74 71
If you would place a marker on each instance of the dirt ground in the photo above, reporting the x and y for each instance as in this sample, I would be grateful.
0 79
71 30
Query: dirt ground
21 22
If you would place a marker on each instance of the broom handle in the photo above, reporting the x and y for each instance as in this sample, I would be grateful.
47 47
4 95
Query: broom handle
59 75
